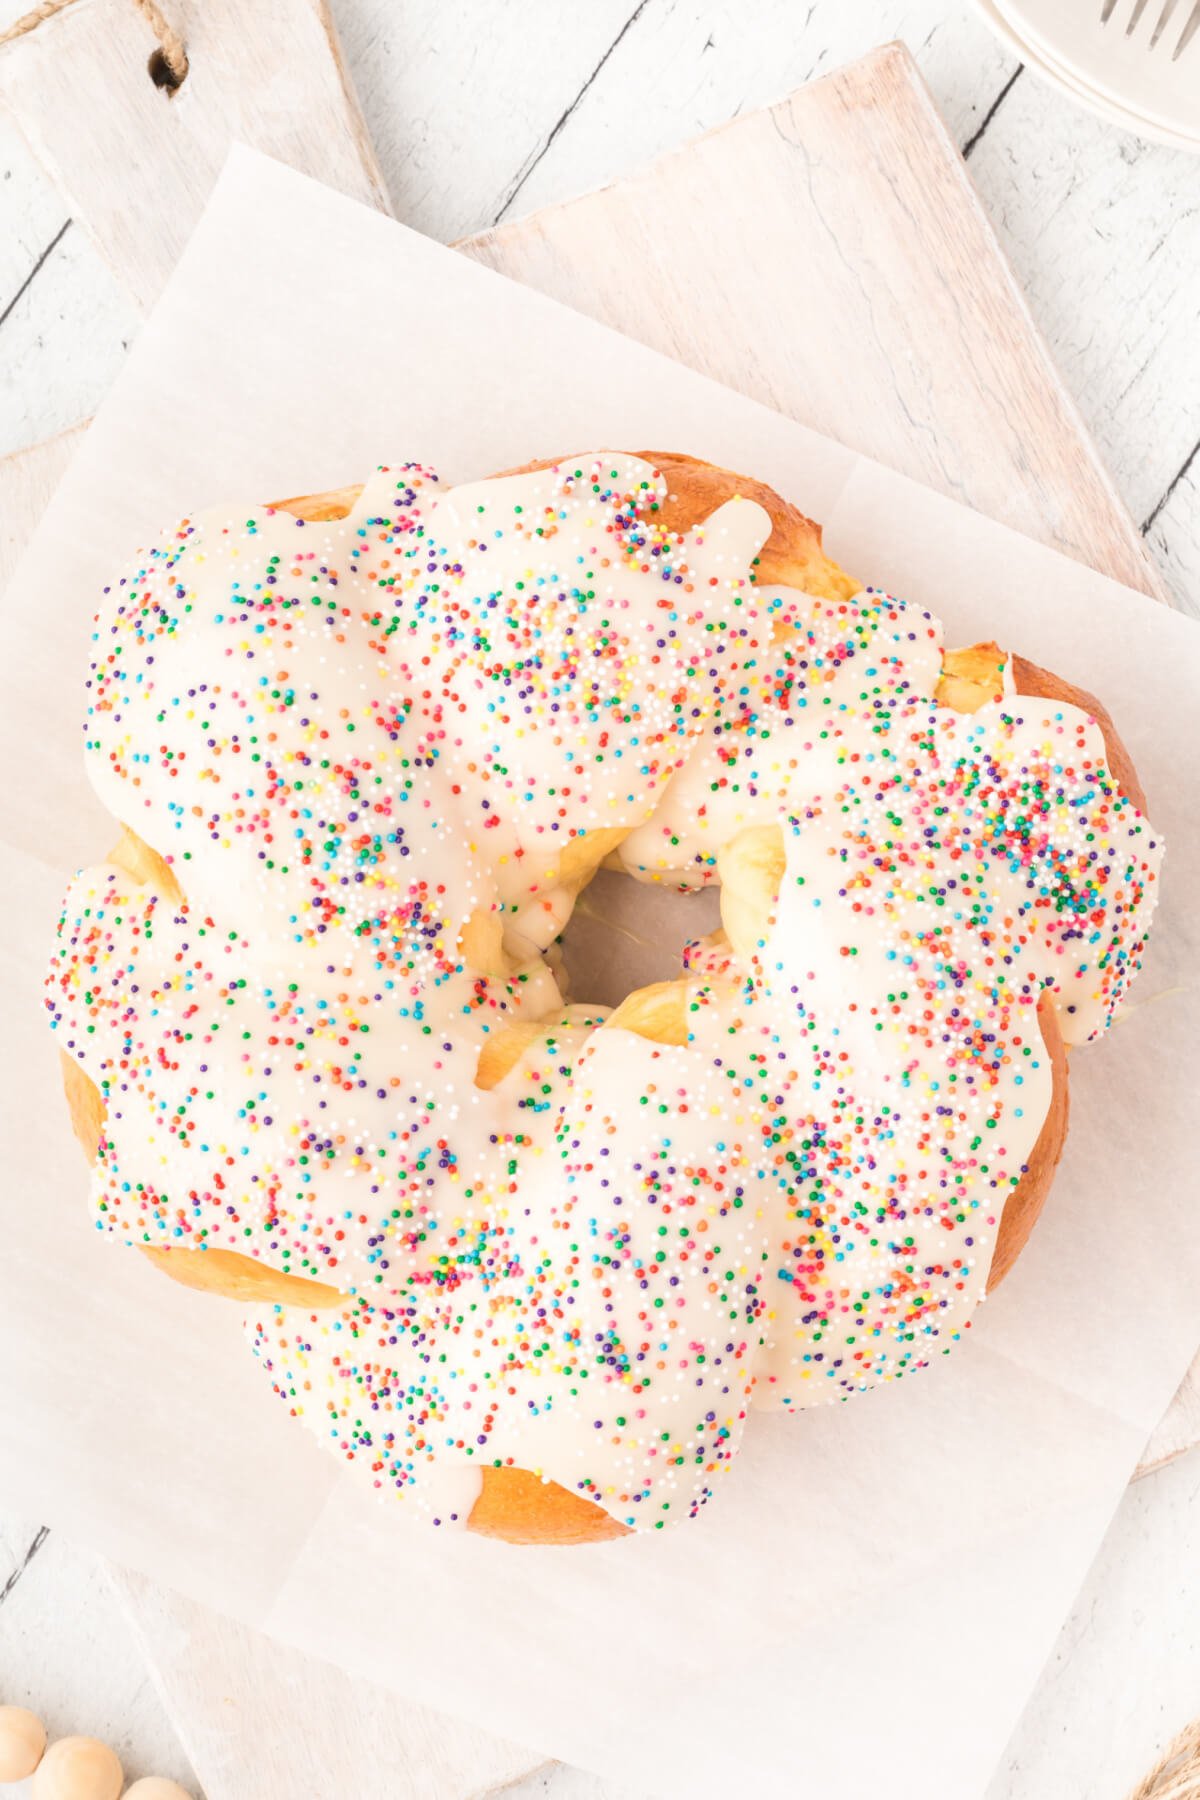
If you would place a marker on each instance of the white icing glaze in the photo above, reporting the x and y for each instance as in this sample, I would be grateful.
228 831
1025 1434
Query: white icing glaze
805 712
372 751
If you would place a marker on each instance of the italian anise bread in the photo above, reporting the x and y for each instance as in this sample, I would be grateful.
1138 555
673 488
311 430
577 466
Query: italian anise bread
527 1262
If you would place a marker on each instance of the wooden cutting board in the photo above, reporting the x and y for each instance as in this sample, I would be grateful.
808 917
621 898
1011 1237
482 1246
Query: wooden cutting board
829 257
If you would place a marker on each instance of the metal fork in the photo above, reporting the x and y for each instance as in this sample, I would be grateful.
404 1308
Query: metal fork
1191 26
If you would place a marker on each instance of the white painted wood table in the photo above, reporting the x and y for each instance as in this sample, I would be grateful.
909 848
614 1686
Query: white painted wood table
476 122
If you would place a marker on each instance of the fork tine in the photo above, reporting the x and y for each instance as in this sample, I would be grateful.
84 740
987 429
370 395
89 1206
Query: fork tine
1106 11
1188 33
1139 7
1164 19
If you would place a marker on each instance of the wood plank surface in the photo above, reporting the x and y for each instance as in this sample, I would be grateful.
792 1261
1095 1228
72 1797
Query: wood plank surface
135 162
27 481
1179 1428
830 258
905 337
470 117
259 1721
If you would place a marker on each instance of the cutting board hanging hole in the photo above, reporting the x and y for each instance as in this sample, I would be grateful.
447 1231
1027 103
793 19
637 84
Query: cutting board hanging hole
168 64
163 75
88 82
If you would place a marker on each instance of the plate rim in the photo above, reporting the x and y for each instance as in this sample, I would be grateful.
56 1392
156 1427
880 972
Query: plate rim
1068 82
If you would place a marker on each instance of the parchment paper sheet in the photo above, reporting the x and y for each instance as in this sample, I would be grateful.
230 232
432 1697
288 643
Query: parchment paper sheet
868 1601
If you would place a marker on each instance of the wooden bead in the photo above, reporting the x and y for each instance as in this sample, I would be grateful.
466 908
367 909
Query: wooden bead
156 1787
22 1741
78 1768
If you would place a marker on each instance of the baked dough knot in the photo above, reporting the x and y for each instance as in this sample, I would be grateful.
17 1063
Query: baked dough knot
528 1261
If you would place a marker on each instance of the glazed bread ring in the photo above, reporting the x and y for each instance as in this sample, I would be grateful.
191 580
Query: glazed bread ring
525 1261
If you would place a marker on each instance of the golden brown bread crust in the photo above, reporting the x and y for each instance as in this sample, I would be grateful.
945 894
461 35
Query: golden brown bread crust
223 1272
975 674
1023 1206
519 1507
335 503
1032 680
791 557
1027 1199
213 1271
516 1504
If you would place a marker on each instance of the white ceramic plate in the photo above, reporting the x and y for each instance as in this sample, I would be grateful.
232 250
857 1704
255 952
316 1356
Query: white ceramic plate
1010 27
